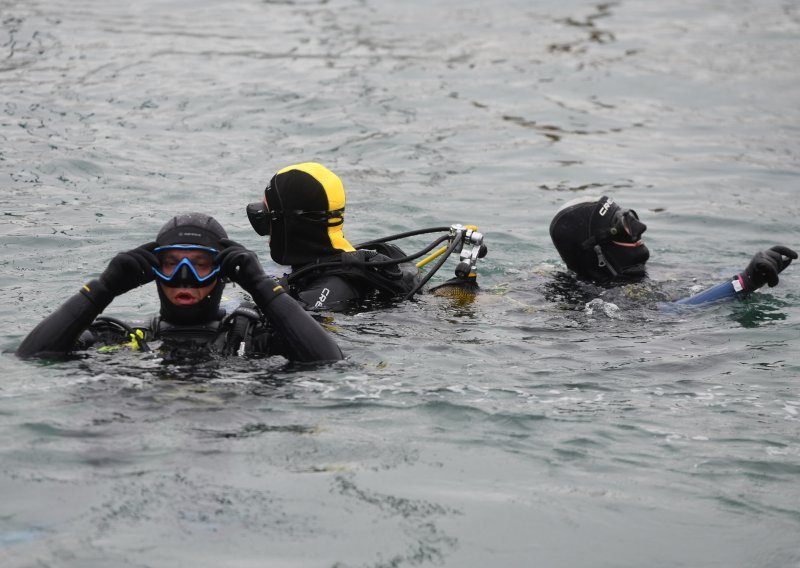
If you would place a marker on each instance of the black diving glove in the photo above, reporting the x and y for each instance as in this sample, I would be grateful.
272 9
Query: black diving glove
129 270
765 267
242 266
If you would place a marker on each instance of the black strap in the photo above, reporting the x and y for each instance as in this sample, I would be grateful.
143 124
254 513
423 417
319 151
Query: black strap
241 322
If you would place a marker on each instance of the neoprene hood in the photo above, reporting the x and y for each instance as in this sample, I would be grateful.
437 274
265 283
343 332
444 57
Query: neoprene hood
600 241
306 203
192 229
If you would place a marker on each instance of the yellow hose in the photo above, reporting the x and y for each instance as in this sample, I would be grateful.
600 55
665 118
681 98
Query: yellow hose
431 257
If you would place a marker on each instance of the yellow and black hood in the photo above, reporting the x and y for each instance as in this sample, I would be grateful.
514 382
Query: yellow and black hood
306 204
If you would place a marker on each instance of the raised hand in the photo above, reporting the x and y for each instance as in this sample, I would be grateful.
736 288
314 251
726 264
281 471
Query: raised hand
241 265
130 269
765 267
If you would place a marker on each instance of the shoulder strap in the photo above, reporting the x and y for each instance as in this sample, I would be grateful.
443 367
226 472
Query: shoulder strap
393 278
240 324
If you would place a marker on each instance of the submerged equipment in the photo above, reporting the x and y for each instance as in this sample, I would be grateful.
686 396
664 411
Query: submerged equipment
136 336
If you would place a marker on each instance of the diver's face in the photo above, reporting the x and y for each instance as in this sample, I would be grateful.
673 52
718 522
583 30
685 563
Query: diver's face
628 259
628 253
187 296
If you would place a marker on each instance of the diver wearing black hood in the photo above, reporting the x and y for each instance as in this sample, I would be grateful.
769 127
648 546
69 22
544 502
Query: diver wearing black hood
601 242
303 214
189 259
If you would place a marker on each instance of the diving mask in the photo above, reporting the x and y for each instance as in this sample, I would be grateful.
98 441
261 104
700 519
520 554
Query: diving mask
186 266
260 217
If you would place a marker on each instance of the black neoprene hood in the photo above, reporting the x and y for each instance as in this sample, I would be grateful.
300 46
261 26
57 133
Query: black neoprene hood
308 200
192 229
580 234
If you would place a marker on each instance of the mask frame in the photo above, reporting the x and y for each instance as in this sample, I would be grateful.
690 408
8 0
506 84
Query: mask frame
185 275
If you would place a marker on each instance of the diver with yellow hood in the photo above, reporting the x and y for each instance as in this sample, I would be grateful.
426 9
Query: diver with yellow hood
303 213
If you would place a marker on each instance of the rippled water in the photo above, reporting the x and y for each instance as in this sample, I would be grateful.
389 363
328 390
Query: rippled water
510 431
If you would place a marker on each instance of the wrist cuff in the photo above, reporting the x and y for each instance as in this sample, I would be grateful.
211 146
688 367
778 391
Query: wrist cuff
738 284
97 293
267 290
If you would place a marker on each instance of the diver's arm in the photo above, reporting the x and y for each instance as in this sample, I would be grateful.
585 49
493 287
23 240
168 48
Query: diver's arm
305 339
57 334
723 291
763 269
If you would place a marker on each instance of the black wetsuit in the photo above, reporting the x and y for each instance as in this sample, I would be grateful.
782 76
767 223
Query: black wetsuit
343 280
281 327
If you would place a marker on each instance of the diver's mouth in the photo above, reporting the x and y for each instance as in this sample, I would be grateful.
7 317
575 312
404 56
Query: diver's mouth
184 299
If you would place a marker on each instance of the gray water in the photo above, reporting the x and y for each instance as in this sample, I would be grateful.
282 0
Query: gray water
514 430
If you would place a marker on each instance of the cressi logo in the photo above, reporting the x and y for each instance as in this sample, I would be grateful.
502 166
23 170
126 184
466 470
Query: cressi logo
322 297
187 234
604 209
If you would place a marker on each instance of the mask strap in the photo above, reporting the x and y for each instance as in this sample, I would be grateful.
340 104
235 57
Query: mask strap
323 217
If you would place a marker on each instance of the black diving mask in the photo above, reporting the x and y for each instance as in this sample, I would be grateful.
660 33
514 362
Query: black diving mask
261 217
626 226
186 266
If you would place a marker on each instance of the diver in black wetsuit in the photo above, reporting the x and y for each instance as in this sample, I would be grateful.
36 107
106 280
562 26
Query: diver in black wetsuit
303 214
189 259
601 243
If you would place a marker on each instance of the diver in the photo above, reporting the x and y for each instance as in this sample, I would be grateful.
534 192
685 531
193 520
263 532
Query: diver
302 212
600 242
190 260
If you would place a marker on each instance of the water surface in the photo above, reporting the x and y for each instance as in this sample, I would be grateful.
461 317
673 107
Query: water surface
524 428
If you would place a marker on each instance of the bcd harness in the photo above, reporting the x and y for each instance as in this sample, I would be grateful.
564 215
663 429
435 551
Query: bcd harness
381 267
233 335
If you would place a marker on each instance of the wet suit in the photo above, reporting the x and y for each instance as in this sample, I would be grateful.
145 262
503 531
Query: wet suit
274 325
248 330
763 269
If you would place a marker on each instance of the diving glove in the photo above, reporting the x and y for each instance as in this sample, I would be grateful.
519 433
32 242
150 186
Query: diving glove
129 270
765 267
242 266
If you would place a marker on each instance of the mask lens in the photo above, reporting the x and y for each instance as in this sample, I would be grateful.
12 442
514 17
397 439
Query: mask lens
258 215
626 226
633 227
201 261
186 266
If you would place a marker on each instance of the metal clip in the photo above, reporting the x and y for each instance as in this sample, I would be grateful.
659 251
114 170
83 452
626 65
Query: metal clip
471 249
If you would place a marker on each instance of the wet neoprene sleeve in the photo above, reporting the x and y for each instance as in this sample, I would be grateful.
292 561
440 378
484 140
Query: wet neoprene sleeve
719 292
57 334
305 338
